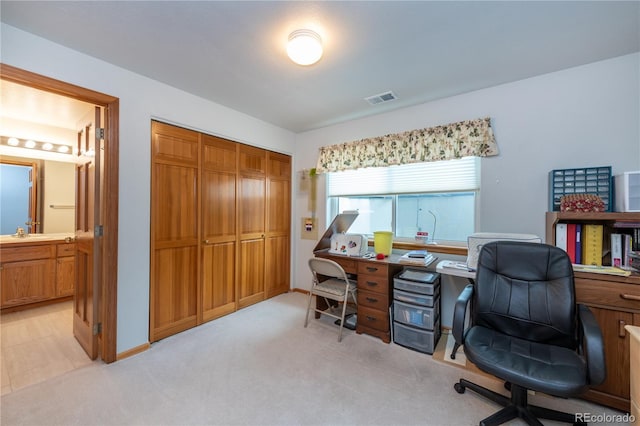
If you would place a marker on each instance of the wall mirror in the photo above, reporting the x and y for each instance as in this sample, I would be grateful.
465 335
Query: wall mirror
36 195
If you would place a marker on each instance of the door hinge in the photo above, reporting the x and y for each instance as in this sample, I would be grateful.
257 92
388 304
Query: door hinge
98 231
100 133
97 328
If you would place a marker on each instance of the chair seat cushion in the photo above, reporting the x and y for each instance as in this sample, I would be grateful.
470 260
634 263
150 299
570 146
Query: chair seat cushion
334 286
545 368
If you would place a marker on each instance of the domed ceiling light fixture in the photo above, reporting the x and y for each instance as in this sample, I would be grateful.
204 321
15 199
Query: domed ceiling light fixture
304 47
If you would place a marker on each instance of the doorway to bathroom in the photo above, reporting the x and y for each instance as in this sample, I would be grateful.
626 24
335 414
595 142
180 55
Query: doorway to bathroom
96 305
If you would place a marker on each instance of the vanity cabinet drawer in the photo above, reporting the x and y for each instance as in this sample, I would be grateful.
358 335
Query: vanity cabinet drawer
67 249
608 293
31 252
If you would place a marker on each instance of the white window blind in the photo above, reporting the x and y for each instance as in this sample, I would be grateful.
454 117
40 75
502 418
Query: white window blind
436 176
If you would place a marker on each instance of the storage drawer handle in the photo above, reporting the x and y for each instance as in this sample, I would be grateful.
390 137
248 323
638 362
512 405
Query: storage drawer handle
371 299
371 269
630 297
372 283
370 318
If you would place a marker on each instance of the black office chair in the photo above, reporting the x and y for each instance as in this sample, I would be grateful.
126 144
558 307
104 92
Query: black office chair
526 329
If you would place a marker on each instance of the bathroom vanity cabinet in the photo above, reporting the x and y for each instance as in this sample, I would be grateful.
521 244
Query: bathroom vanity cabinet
35 270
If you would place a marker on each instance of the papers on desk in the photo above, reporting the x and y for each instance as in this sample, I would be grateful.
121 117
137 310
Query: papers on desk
608 270
417 257
458 269
456 265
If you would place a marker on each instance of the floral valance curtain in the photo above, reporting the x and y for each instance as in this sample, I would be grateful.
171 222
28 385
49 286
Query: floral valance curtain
455 140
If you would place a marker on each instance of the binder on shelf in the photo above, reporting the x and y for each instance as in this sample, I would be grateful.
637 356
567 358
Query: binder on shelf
592 244
571 241
578 243
561 236
627 248
616 250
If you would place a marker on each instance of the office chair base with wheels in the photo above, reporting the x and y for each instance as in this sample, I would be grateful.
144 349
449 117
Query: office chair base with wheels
515 407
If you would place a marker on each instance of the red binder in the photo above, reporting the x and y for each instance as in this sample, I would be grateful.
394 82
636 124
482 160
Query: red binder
571 241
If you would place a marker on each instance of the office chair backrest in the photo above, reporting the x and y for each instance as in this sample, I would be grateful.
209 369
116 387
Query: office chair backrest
526 290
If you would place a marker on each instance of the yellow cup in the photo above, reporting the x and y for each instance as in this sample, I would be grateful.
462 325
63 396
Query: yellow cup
383 242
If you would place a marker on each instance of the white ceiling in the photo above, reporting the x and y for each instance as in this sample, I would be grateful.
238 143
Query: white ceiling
233 52
32 105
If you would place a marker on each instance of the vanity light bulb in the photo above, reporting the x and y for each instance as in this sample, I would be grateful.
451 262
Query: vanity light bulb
63 148
30 144
47 146
13 141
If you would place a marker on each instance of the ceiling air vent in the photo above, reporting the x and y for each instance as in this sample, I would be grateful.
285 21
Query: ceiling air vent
382 97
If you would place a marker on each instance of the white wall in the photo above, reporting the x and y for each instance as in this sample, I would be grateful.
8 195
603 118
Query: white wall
59 190
580 117
141 99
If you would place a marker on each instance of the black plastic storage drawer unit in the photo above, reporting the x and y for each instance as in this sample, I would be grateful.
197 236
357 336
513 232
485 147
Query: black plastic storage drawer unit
416 309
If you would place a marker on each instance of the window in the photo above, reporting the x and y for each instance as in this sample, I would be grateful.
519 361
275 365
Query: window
436 197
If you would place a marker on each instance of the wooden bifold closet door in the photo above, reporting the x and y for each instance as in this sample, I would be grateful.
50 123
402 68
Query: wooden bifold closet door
174 230
220 227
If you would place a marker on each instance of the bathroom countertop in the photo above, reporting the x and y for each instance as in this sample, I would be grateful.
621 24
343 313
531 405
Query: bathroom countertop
35 238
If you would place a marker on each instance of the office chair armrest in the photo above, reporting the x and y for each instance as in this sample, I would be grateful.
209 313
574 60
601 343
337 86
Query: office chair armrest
460 312
592 345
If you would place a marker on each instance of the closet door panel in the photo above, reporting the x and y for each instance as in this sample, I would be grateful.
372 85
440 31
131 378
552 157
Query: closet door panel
277 265
252 207
279 211
175 204
219 226
252 224
251 271
278 236
219 154
218 206
219 280
174 296
174 274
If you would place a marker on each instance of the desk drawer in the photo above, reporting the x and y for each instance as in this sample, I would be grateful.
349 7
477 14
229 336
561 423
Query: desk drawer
608 293
373 268
373 300
373 283
373 318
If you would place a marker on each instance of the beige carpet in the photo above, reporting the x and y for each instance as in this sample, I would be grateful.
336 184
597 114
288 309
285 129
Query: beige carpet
260 366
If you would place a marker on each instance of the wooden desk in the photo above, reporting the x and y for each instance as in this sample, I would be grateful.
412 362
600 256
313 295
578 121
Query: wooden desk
375 290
